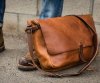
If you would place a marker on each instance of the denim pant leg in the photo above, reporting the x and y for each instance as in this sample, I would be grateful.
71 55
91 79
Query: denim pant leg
2 10
51 8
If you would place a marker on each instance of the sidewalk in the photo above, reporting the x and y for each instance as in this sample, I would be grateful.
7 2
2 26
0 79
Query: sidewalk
17 13
16 48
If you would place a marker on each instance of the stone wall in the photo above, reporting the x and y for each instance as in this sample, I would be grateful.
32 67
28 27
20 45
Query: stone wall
19 11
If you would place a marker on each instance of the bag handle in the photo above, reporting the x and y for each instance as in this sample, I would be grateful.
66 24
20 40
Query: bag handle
95 44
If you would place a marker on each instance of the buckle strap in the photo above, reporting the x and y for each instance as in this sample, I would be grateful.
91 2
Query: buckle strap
81 55
31 28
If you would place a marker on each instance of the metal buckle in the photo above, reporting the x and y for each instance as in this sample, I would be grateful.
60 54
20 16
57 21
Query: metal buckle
31 29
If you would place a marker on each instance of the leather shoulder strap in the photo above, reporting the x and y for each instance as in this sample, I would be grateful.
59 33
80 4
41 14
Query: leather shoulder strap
95 44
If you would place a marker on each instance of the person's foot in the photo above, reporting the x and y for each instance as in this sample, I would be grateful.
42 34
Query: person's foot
2 46
25 64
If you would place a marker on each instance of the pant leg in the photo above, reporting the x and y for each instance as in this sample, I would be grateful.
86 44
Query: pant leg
2 10
51 8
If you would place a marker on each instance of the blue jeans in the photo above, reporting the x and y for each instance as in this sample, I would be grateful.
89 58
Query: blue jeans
2 10
51 8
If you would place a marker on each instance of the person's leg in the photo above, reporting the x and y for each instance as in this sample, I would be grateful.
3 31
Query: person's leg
51 8
2 10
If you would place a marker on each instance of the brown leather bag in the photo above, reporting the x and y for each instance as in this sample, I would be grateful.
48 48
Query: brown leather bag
62 42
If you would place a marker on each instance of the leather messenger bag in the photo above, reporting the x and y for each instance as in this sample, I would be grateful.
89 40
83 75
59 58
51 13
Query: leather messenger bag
62 42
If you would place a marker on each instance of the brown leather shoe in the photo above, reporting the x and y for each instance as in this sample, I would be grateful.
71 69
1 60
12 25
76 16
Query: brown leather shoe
2 46
26 64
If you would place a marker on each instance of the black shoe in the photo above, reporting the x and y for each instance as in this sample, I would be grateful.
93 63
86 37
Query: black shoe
2 46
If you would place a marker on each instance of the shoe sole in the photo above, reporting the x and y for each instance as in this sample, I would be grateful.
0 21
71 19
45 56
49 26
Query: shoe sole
26 68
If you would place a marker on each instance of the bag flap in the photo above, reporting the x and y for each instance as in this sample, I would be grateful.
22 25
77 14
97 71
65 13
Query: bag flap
62 34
